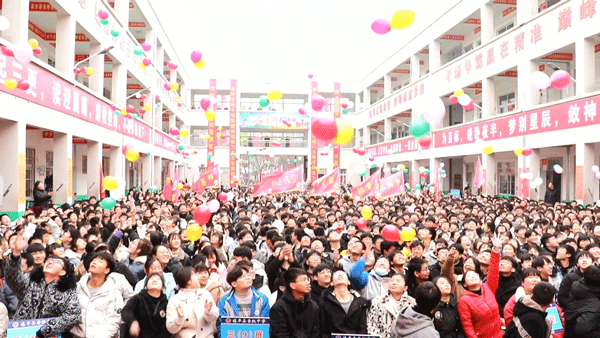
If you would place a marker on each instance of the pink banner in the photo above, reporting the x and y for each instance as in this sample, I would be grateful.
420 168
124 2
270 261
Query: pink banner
290 180
326 184
208 179
313 140
164 141
368 187
337 97
212 128
578 113
404 145
233 129
391 185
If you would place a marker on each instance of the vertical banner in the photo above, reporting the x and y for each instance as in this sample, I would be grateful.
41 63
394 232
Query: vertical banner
337 98
212 129
232 131
314 90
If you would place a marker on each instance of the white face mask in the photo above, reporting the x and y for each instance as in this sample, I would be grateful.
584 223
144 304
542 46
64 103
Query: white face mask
381 271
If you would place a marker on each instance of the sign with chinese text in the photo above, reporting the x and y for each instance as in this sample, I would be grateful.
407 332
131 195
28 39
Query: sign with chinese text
212 128
368 187
209 178
402 96
326 184
337 98
165 141
245 327
403 145
290 180
26 328
391 185
232 131
273 120
554 318
314 90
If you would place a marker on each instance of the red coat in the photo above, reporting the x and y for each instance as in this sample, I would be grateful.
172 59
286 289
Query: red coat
479 314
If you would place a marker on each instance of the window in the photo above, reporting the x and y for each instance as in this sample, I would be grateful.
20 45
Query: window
84 165
49 163
505 28
506 103
343 174
468 48
51 62
29 171
506 175
106 165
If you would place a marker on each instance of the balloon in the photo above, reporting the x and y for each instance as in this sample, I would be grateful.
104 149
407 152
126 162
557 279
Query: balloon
324 129
317 102
174 86
390 233
458 93
361 223
558 169
89 71
408 234
360 170
108 203
464 99
381 26
147 107
200 64
23 84
519 151
37 51
174 131
402 19
425 141
138 51
146 46
539 80
184 132
597 175
222 197
110 183
202 215
210 115
22 52
264 101
196 56
193 232
435 110
345 133
171 65
274 95
361 151
213 206
560 79
302 111
230 195
419 127
33 43
345 111
205 103
527 151
453 99
488 150
366 212
10 83
7 51
115 33
537 182
131 155
147 62
102 14
180 147
4 23
595 169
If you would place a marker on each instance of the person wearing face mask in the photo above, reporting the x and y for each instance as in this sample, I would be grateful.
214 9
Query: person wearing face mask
478 309
369 284
445 317
386 307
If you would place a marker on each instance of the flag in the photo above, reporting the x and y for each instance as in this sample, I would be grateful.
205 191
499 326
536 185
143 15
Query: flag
168 189
176 191
368 187
479 175
102 193
326 184
209 178
438 188
391 185
290 180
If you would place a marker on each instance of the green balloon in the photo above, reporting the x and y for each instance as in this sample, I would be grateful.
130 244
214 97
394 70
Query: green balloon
180 147
363 174
114 32
427 171
108 203
134 116
394 170
408 189
138 51
443 172
345 111
419 128
148 154
406 171
264 101
104 22
295 161
418 187
117 112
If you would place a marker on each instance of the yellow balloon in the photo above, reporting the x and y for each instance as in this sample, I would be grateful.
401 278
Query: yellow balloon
220 128
408 234
194 232
110 183
274 95
132 155
207 137
402 167
458 93
142 65
345 133
10 83
210 115
402 19
179 186
174 86
33 43
176 97
218 135
488 150
183 132
519 151
89 71
366 212
147 107
200 64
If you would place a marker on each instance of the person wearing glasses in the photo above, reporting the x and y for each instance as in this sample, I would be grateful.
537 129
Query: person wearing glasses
47 292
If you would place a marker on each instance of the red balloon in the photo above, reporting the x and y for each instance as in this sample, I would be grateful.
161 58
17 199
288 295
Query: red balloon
527 151
23 84
361 223
202 215
141 111
344 105
7 51
355 150
174 131
125 148
318 102
324 129
222 197
77 71
453 99
361 151
37 51
391 233
425 141
302 111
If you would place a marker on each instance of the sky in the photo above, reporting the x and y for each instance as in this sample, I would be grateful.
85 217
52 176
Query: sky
275 44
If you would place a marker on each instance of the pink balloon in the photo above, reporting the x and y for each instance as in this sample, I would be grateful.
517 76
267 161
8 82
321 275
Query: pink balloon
174 131
196 56
102 14
205 103
23 84
361 223
144 96
435 110
202 215
125 148
37 51
453 99
213 206
361 151
310 76
222 197
171 65
560 79
167 86
146 47
141 111
598 175
324 129
147 62
470 106
539 80
318 102
381 26
527 151
130 109
425 141
302 111
7 51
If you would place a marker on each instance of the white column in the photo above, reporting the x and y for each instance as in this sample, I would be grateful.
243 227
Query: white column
63 168
414 174
534 165
488 97
387 85
173 76
97 64
12 137
160 57
17 13
357 104
526 9
487 22
117 163
172 120
366 98
387 129
434 163
434 56
586 185
65 44
157 180
94 163
488 163
585 63
149 100
415 68
366 136
122 11
147 168
119 83
526 94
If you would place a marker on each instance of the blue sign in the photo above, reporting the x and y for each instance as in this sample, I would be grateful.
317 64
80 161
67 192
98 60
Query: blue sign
455 193
26 328
244 327
554 318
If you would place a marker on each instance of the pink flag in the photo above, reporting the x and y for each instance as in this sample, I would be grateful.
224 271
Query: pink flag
290 180
368 187
327 184
168 189
479 175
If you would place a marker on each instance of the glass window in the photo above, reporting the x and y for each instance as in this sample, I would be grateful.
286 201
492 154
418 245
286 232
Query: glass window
506 175
506 103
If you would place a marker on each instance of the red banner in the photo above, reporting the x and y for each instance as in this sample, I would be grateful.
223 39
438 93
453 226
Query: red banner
232 131
368 187
326 184
212 128
313 140
209 178
391 185
403 145
574 114
290 180
164 141
337 98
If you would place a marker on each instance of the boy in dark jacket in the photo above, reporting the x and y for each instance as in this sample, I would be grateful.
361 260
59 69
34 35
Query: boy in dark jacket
530 314
417 321
582 315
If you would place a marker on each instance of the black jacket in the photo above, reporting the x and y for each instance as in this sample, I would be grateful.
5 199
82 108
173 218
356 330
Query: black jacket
315 292
292 318
446 319
41 198
507 286
532 318
564 291
552 196
150 313
582 316
334 319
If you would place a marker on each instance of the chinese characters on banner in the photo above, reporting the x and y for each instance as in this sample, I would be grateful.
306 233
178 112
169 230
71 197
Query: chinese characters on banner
368 187
337 97
245 327
165 141
403 96
578 113
290 180
326 184
404 145
26 328
391 185
313 140
233 131
209 178
212 128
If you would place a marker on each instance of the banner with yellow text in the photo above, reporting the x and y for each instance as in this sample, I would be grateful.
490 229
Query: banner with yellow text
369 187
290 180
326 184
209 178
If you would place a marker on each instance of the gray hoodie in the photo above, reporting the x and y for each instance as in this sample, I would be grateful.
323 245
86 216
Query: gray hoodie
411 324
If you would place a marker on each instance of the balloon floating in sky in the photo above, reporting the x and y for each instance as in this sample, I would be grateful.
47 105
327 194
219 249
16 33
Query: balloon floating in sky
402 19
196 56
318 102
310 76
381 26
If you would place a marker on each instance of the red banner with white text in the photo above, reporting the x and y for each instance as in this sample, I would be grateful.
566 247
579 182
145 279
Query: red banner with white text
391 185
290 180
209 178
232 131
368 187
327 184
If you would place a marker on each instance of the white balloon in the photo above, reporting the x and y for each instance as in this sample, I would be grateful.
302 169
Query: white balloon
4 24
23 52
522 176
539 80
350 104
434 110
360 169
595 169
464 100
421 169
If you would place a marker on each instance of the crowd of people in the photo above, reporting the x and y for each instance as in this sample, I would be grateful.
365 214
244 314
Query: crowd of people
477 267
